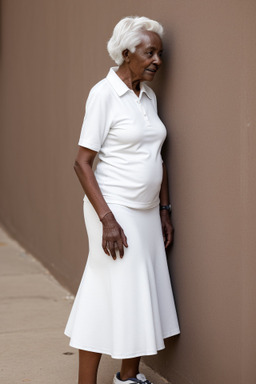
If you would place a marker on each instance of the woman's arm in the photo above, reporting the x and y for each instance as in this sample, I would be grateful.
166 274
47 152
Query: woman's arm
167 227
113 235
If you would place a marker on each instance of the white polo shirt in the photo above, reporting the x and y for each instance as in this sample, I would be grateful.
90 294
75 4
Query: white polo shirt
128 135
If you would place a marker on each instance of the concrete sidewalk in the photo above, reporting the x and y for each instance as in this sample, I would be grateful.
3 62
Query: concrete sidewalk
34 309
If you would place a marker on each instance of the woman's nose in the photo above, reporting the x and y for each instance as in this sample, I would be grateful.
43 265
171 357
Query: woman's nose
157 59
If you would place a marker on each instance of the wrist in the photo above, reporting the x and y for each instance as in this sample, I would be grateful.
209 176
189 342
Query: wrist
165 208
106 216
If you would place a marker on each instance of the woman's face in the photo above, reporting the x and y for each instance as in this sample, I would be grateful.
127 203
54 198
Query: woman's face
146 60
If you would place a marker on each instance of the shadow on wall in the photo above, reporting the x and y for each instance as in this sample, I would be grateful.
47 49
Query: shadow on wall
162 86
163 81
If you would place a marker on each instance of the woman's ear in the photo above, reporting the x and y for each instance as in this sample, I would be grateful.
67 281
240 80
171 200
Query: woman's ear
126 55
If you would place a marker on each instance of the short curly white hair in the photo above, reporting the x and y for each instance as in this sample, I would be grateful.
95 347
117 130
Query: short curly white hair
127 35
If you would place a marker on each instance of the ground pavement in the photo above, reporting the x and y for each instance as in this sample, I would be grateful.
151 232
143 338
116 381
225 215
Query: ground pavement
34 309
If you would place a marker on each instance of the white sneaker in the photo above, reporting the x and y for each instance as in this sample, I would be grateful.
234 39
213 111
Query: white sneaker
140 379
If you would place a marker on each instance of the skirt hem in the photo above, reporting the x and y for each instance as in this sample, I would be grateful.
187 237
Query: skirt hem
73 344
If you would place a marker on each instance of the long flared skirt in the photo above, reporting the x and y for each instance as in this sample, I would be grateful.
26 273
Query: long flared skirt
124 307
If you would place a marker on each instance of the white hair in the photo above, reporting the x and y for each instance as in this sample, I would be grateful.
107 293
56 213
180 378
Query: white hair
127 35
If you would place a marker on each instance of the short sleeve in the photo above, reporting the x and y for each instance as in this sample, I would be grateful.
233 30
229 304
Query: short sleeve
97 120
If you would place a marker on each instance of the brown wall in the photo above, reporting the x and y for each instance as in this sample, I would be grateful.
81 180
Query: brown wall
51 53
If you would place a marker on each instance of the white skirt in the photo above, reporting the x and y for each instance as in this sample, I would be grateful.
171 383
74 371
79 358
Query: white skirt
124 307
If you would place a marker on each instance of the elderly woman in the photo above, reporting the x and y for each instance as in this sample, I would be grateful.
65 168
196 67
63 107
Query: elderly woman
124 306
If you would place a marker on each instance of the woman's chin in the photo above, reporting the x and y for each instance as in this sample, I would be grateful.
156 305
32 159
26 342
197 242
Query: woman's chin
149 76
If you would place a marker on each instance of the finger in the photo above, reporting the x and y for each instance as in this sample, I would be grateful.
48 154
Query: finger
120 248
124 239
168 241
169 238
111 247
164 236
105 248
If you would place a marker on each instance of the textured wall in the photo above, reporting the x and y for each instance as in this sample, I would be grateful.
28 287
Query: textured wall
51 53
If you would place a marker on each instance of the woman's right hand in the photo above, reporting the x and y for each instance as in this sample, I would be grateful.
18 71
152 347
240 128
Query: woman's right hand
113 237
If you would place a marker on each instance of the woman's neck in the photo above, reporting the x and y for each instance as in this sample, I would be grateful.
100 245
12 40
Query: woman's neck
126 76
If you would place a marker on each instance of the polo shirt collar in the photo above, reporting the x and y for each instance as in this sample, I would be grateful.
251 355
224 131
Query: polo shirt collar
120 87
144 90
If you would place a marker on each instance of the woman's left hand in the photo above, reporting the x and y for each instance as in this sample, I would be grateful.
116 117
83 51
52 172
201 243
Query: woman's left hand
167 227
